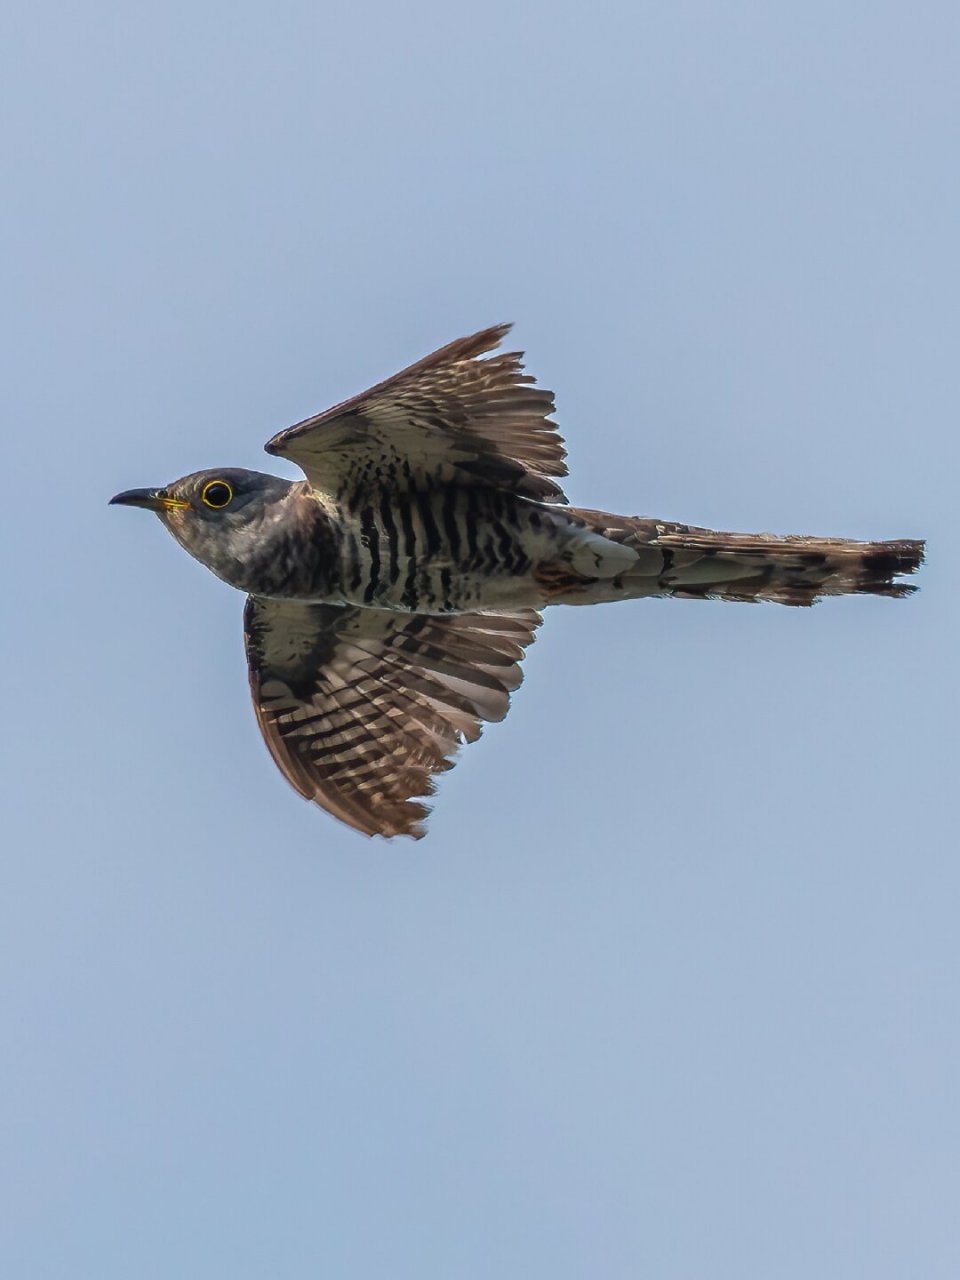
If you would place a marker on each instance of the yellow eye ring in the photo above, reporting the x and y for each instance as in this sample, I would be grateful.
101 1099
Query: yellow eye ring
217 494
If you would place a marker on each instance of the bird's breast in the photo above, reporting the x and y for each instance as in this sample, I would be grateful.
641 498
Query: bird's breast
442 549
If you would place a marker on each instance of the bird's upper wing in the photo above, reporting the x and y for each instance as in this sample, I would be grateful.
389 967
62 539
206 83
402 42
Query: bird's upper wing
450 414
360 707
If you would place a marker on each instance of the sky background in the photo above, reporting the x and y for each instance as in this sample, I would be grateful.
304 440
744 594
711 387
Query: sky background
671 988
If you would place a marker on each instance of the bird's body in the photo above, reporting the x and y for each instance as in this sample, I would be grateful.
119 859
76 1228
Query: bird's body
392 593
455 548
436 550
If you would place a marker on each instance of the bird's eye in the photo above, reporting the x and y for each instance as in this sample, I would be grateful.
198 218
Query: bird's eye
217 494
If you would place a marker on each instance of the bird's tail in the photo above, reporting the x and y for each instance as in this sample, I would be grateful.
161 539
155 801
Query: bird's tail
682 560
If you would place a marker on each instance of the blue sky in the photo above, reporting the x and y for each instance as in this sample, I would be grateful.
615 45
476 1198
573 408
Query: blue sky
670 988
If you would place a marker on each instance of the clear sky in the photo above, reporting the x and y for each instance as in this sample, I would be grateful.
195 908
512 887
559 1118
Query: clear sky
671 988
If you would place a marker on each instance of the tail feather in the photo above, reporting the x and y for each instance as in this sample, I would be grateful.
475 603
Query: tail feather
686 561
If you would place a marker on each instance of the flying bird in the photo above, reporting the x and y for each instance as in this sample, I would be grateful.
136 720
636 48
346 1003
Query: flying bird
391 594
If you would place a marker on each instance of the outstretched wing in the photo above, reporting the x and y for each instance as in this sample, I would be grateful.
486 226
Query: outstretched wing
451 415
360 707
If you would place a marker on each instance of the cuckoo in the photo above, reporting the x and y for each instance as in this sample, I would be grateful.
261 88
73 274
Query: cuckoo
391 594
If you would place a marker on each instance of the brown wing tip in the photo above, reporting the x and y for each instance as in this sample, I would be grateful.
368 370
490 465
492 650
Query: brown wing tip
484 340
468 348
393 818
410 822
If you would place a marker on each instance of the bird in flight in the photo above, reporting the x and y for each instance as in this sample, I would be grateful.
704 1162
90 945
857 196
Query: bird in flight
392 593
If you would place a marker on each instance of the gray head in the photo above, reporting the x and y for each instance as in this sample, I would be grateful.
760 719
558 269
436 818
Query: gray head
223 518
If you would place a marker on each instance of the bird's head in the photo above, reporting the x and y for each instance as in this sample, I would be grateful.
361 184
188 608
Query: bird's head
221 517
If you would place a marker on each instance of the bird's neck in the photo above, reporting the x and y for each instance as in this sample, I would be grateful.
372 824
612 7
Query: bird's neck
290 551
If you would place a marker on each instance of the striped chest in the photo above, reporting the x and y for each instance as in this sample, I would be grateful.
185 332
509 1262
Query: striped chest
443 549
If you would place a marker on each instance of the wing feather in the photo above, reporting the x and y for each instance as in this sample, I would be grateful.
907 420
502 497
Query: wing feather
360 708
450 416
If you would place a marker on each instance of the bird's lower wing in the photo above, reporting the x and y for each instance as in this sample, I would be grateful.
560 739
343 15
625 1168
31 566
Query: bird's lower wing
361 707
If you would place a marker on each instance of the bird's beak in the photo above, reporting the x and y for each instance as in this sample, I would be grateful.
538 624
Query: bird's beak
151 499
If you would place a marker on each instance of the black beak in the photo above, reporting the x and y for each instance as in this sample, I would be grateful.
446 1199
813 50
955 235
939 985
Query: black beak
151 499
148 498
